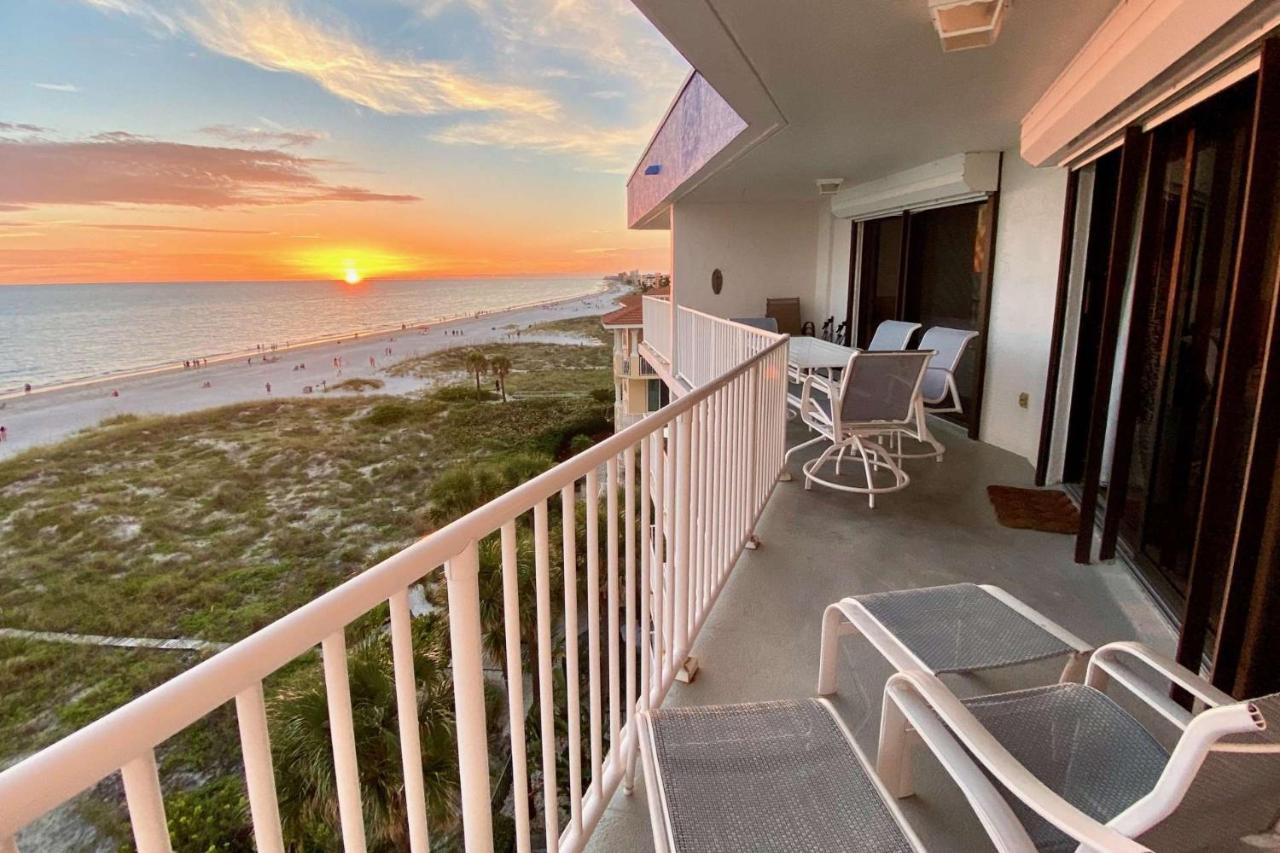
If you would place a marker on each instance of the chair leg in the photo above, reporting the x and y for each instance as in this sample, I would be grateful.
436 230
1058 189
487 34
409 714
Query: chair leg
1075 668
866 466
834 626
818 463
893 755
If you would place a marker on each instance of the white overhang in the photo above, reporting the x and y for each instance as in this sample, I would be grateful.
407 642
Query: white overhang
1148 60
951 180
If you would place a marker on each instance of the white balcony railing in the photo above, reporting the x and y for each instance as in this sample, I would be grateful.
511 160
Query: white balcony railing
657 325
686 485
706 346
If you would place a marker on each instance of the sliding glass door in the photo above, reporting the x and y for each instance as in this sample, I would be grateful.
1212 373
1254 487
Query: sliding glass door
931 267
1172 437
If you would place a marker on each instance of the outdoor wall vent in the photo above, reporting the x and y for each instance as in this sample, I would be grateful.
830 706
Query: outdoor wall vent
829 186
966 24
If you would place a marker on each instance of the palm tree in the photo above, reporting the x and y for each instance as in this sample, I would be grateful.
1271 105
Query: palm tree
500 367
478 365
304 752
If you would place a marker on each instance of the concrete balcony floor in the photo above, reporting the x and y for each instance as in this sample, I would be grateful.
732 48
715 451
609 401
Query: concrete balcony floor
761 641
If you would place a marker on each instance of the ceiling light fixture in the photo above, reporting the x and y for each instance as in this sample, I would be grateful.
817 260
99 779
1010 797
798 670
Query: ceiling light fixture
966 24
829 186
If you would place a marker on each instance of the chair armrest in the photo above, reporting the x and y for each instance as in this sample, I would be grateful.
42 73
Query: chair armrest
814 382
1112 663
925 701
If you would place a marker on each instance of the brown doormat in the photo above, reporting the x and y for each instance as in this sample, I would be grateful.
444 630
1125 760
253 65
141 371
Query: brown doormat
1034 509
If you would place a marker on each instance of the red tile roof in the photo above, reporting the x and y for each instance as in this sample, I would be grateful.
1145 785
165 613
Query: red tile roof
632 311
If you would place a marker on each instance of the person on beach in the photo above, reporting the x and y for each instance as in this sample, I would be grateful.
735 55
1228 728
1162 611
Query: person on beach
4 433
26 389
372 363
268 387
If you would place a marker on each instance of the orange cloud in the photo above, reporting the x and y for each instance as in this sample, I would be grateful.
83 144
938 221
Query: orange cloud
120 168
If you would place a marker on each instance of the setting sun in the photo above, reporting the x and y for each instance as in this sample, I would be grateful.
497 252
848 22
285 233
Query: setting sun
352 275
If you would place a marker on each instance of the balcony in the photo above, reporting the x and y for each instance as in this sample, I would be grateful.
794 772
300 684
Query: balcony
649 534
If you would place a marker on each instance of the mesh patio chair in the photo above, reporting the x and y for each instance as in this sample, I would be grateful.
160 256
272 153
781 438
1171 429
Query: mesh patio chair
1071 761
788 775
786 312
938 393
768 324
955 628
877 395
892 335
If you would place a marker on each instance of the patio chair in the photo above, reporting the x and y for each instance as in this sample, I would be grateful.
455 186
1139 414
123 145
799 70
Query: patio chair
786 312
939 389
877 395
768 324
1071 761
938 393
788 776
957 628
893 335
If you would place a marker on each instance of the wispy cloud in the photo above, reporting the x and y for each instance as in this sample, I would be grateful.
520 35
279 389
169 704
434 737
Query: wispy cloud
120 168
180 228
539 83
273 137
12 127
605 150
58 87
275 36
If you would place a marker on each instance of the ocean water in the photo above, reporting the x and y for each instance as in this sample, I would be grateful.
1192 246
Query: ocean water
51 334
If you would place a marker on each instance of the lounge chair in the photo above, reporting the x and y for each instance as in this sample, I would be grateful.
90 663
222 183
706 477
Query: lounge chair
955 628
892 335
788 776
877 395
1071 760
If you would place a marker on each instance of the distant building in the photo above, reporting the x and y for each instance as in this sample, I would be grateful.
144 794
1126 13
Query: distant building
637 388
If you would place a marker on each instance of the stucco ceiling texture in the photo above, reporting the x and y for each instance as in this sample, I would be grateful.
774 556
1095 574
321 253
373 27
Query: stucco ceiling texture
866 89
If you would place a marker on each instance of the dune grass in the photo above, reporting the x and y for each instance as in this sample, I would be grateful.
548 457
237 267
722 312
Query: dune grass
211 525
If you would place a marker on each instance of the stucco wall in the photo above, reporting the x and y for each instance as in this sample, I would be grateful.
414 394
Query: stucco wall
1022 301
763 250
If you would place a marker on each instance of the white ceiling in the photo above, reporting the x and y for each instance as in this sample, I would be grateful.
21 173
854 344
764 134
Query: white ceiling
863 85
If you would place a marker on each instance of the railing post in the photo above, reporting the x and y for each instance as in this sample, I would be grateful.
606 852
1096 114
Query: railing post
342 733
675 334
684 439
462 579
259 776
146 805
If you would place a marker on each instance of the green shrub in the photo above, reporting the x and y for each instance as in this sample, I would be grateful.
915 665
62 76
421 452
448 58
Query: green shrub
119 420
602 395
462 394
389 413
358 384
579 443
210 818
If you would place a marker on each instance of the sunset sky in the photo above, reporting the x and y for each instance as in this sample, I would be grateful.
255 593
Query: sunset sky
181 140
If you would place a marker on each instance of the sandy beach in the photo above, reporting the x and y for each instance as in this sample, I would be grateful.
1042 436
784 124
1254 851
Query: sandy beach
44 417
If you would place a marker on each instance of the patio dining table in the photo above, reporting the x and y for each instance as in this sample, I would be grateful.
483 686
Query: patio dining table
809 355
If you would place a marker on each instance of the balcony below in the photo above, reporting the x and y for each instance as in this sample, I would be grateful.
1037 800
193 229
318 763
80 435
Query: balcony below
761 641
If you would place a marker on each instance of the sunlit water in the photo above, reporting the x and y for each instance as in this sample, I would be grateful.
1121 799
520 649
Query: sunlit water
51 334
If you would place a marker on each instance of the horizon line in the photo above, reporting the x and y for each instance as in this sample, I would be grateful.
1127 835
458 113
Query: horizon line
367 280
